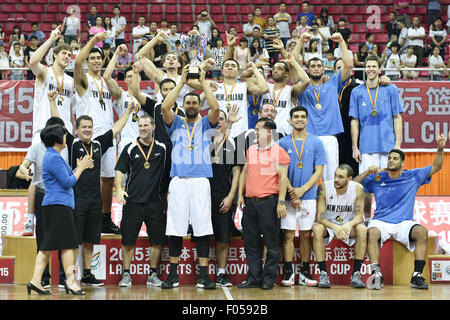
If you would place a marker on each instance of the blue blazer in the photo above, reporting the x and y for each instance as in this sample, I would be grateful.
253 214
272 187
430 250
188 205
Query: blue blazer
58 180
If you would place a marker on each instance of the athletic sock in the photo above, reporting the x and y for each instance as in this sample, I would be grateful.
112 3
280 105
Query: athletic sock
86 272
30 218
374 267
106 216
126 271
322 266
153 270
288 266
419 265
203 272
173 271
357 265
220 271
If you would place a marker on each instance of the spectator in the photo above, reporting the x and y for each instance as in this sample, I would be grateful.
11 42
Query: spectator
215 35
71 27
403 11
403 39
91 17
392 25
360 60
328 64
123 63
2 35
369 41
325 33
173 37
28 52
327 20
338 53
110 33
139 32
259 20
233 31
205 23
310 17
393 62
218 53
409 60
448 20
416 35
257 36
436 62
17 36
343 30
313 51
119 23
98 28
4 62
242 53
153 30
49 58
271 33
158 52
438 36
164 26
302 27
107 55
282 22
258 54
75 47
433 11
376 53
36 33
320 38
249 26
16 60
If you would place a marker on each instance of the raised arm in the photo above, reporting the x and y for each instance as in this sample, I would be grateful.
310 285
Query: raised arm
256 85
138 66
231 42
439 160
213 114
297 75
39 70
347 59
119 124
171 98
113 87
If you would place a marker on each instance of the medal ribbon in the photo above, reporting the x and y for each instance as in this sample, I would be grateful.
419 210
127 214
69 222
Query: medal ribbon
295 146
228 96
255 102
136 110
85 149
315 93
217 150
60 87
142 151
190 133
275 100
374 104
100 91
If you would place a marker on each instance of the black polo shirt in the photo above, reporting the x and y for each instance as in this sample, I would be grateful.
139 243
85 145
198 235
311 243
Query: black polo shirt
222 171
143 185
88 185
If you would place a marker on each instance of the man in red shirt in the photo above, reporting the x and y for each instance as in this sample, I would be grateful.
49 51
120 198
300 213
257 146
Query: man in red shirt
265 181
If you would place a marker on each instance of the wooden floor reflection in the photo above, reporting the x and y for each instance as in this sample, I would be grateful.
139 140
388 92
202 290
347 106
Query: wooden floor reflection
141 292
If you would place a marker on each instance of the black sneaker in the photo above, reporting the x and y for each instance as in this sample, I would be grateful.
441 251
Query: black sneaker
109 227
418 282
91 280
45 284
223 281
205 284
171 282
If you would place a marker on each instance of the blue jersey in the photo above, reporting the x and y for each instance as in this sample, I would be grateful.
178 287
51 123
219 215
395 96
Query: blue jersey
376 132
327 121
252 118
395 197
313 155
195 163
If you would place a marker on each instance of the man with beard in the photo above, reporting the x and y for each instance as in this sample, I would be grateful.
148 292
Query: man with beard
48 79
189 197
308 158
94 99
376 121
395 191
322 102
340 215
143 160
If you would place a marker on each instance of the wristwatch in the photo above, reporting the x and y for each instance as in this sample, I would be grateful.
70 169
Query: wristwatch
281 202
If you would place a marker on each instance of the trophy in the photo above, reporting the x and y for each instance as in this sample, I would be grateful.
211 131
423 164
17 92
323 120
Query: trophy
195 47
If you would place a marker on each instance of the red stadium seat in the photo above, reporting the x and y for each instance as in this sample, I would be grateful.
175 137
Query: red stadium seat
172 9
9 8
231 2
245 10
183 2
349 10
53 9
330 2
215 10
199 9
373 2
23 8
37 8
220 18
362 10
359 28
381 38
334 11
49 17
233 19
355 37
171 2
231 10
34 17
258 2
387 2
273 3
158 17
353 48
354 18
345 2
273 10
154 8
217 2
358 2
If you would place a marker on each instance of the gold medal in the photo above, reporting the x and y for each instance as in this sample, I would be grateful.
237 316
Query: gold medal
377 177
299 156
61 99
255 112
190 147
318 106
101 101
190 134
373 102
146 156
135 117
146 165
100 90
299 164
228 96
216 159
374 113
228 106
317 95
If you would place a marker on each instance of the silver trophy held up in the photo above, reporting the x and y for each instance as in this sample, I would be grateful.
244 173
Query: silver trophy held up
195 47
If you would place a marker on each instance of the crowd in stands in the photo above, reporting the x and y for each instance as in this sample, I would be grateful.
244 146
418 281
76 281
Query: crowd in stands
411 42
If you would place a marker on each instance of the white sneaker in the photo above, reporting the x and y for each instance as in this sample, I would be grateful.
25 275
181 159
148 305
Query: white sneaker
28 230
153 280
306 281
289 279
375 281
126 280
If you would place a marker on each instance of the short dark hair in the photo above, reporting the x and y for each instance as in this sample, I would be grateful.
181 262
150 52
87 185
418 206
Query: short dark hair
128 69
33 37
314 59
400 152
347 169
268 123
368 35
335 62
373 58
53 134
167 80
116 6
98 50
54 120
230 59
83 117
191 94
296 109
395 44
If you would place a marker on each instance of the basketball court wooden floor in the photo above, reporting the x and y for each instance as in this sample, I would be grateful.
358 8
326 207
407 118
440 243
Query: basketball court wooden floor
185 293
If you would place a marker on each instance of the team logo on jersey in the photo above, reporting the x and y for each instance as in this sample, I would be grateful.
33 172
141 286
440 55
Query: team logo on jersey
136 156
339 219
364 104
383 184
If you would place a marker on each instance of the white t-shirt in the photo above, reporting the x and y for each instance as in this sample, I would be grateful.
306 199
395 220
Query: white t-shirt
338 54
393 62
339 207
412 60
283 107
435 61
131 130
138 30
119 23
416 32
72 26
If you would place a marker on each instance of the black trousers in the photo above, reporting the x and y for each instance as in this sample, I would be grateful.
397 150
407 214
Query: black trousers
260 218
38 213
